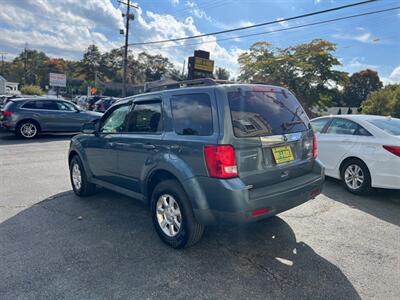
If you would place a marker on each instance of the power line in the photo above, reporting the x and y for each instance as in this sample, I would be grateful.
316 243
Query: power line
288 28
202 6
256 25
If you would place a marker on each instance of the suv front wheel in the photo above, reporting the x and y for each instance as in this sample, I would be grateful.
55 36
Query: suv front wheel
173 217
80 184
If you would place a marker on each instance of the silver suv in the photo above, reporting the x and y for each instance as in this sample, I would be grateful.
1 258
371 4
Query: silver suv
28 117
200 155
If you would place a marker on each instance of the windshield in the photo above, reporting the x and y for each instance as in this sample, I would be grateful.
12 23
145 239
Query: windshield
266 112
389 125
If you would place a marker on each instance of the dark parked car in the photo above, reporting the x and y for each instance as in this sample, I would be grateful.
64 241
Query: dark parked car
90 101
103 104
202 155
27 117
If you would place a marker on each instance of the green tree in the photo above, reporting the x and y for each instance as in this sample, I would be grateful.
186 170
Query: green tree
29 67
111 64
306 69
385 102
221 74
175 74
90 63
155 66
32 90
360 85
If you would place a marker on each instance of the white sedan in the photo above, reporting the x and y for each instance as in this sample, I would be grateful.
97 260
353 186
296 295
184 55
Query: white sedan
361 150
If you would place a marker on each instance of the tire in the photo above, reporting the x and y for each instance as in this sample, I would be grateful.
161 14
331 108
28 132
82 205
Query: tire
84 188
356 177
28 129
175 198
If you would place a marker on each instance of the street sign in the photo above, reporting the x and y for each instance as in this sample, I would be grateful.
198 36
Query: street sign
93 90
200 65
203 64
57 79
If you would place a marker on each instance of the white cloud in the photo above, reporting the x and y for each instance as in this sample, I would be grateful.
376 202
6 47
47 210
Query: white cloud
152 27
245 23
283 23
395 73
394 77
197 12
358 63
388 80
62 28
65 28
365 37
174 2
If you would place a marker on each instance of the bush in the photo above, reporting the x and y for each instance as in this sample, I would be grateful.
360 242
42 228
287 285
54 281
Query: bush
385 102
32 90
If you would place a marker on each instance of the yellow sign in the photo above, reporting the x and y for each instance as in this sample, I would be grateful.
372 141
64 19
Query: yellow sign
203 64
282 154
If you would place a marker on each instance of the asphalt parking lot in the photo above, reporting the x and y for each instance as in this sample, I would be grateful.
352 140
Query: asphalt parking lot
55 245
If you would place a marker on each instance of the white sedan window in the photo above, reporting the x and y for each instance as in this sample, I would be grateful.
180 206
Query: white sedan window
342 126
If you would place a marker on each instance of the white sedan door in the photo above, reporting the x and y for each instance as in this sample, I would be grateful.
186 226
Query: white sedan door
333 145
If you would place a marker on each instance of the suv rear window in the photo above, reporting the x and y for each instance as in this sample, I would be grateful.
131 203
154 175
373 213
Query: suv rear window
192 114
264 112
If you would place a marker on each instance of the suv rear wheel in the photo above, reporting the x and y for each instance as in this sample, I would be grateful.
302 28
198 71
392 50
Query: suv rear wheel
81 186
173 217
28 129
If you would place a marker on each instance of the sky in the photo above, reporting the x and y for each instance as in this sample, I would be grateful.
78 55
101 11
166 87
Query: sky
65 28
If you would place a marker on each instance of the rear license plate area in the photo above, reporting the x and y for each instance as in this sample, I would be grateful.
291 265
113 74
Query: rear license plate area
282 154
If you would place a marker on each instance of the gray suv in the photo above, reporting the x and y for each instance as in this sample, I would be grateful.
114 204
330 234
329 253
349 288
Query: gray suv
200 155
28 117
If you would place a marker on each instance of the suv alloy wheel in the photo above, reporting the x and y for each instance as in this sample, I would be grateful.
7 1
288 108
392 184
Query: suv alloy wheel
173 217
28 129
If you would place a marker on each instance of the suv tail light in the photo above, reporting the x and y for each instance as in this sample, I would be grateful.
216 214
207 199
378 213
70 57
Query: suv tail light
6 113
393 149
221 161
315 146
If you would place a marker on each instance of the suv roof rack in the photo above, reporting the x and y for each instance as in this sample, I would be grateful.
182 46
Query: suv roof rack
172 84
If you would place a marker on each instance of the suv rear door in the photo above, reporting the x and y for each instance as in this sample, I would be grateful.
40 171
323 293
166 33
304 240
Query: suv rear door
141 141
45 112
271 135
193 123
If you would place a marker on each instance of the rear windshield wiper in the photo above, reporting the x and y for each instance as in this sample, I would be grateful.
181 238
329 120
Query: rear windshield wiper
288 125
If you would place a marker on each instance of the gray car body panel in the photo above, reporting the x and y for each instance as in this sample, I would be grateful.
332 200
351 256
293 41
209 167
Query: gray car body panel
48 120
213 200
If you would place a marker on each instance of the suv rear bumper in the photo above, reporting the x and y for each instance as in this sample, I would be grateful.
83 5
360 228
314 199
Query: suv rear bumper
229 201
7 125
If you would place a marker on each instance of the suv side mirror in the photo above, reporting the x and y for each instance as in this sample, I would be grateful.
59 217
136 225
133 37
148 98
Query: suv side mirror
89 128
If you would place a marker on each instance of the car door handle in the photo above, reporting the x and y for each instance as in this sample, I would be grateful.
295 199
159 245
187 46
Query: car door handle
149 147
175 147
116 144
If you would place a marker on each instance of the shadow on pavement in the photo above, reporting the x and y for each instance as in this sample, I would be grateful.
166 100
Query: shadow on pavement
9 138
114 252
381 203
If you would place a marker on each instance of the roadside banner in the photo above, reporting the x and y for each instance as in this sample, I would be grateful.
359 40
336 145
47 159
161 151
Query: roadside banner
57 79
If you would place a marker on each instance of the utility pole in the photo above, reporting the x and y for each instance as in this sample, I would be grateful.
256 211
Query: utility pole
128 18
25 61
3 54
183 69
